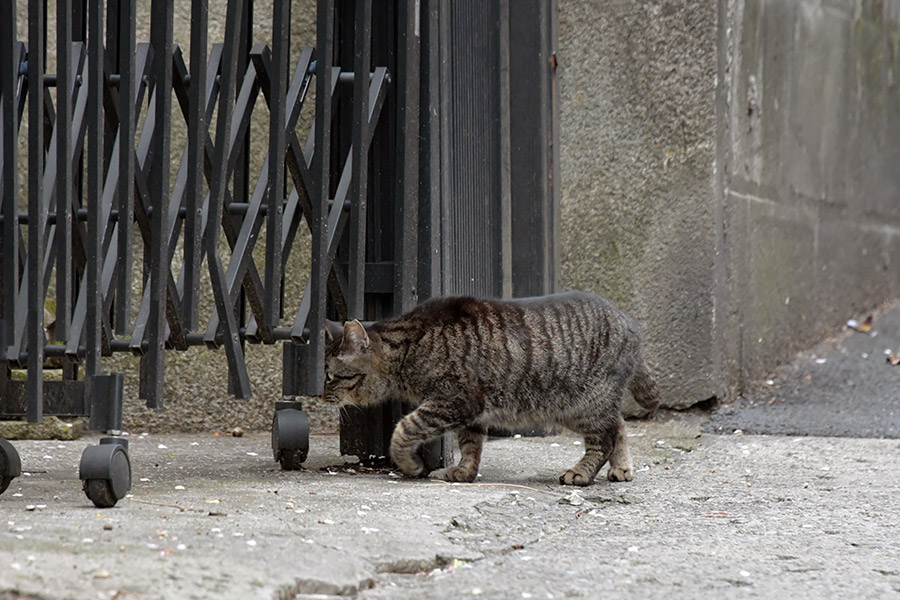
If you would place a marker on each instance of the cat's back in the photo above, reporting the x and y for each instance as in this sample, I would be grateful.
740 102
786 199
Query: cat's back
575 319
572 314
568 331
573 303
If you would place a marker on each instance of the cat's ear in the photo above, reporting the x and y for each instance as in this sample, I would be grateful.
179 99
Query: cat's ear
333 331
355 338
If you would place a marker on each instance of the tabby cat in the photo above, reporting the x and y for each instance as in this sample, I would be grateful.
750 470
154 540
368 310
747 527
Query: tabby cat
468 364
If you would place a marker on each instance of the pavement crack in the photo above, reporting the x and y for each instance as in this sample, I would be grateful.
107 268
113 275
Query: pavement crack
311 586
408 566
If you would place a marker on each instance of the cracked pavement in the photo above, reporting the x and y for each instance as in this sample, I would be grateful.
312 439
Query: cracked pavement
706 516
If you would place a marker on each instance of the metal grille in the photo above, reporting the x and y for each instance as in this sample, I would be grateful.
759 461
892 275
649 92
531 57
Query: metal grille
86 231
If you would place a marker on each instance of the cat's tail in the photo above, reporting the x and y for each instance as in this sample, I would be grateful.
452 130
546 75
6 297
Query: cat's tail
644 389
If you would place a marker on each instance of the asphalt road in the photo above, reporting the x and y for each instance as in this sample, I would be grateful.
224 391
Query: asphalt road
842 387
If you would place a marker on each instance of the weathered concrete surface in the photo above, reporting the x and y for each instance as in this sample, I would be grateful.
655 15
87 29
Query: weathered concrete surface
706 517
729 175
637 86
810 118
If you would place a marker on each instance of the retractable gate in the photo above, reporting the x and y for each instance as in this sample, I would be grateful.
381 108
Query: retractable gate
427 168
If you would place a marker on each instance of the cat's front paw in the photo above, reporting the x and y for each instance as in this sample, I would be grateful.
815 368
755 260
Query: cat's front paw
572 477
620 474
459 474
410 464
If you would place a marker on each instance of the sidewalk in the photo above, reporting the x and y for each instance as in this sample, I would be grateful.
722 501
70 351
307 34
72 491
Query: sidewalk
707 516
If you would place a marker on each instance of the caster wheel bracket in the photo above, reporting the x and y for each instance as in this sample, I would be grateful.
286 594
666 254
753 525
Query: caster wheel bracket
10 464
106 471
290 435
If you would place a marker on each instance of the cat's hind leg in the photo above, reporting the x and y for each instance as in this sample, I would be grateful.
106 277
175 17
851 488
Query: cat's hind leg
620 457
644 389
609 444
597 447
471 442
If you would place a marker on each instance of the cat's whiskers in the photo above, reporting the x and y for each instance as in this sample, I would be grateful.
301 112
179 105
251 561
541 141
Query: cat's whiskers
345 405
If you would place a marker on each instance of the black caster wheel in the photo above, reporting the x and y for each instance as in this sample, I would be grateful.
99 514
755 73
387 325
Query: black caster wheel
290 435
106 471
10 465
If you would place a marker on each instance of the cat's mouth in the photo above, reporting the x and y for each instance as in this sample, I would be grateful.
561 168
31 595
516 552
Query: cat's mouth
332 398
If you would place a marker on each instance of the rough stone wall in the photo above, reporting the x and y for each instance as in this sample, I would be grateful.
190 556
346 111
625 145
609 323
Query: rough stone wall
810 148
638 124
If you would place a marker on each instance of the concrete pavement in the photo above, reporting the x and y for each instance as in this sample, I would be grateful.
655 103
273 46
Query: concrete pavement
807 513
708 516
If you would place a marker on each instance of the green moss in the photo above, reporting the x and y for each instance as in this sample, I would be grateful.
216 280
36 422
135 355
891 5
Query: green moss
875 42
52 428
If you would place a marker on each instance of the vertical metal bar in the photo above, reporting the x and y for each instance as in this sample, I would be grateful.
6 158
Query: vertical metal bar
94 195
241 175
35 310
161 40
407 212
444 94
243 39
9 68
406 270
362 51
224 307
553 246
79 20
533 132
362 432
125 183
63 168
111 66
277 146
430 155
321 169
505 152
197 133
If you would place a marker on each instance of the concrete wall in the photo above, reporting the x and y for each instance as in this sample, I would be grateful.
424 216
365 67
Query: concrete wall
810 149
730 174
638 125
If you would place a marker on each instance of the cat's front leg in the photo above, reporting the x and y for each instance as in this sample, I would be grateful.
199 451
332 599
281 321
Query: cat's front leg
430 420
471 442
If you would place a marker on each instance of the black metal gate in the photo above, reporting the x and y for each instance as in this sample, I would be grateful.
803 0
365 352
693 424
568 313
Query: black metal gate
428 170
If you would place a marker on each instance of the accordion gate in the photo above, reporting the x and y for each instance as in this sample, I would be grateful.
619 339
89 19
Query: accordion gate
433 129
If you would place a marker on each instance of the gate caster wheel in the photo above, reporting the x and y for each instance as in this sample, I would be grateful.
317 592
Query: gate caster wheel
290 435
106 471
10 465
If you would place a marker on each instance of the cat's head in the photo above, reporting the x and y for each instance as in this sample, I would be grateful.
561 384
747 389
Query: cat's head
356 369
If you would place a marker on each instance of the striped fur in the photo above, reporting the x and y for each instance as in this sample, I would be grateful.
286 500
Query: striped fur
469 364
